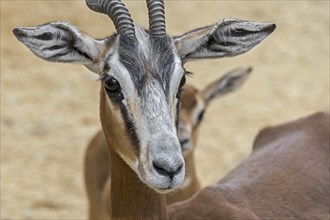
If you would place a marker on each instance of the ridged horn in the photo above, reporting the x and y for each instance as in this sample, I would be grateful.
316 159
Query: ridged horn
118 13
156 14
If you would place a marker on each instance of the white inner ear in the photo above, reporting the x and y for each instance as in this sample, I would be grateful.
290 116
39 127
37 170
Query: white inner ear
62 42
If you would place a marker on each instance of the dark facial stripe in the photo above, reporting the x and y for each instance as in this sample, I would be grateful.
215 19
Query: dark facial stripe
162 48
130 127
158 65
127 119
132 61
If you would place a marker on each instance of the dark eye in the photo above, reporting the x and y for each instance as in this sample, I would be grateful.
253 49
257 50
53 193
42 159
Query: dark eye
200 117
112 87
182 82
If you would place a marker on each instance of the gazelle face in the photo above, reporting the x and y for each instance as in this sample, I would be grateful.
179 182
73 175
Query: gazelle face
194 103
142 84
141 74
191 114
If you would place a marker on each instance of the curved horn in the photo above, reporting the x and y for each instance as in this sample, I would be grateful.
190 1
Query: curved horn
156 17
118 13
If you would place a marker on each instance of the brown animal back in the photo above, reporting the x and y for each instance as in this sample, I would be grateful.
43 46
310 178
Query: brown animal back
285 177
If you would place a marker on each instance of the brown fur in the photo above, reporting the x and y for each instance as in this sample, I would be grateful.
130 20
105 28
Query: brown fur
285 177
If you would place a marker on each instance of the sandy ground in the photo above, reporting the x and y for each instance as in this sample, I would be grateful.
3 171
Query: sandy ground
49 111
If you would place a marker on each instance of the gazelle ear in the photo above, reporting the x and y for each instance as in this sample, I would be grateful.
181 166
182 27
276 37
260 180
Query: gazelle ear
226 84
229 37
61 42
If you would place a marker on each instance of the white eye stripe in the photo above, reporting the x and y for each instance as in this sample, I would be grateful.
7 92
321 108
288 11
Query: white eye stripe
121 74
177 75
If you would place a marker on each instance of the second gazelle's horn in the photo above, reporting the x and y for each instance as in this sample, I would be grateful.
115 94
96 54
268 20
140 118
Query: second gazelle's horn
118 13
156 18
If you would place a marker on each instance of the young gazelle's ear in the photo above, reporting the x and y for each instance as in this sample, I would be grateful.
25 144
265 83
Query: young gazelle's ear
226 84
61 42
229 37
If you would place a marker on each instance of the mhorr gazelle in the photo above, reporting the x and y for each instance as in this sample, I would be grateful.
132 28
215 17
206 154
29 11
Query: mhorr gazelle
141 74
194 103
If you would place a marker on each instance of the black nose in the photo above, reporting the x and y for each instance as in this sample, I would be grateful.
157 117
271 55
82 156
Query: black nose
166 171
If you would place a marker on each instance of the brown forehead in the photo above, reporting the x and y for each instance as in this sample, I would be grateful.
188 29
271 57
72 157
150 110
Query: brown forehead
189 97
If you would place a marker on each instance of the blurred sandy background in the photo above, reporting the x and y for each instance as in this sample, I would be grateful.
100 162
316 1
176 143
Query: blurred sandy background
49 111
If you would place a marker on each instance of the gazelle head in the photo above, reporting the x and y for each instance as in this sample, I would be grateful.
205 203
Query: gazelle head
142 73
194 103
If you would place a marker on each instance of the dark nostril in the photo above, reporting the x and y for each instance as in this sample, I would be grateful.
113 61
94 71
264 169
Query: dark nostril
164 172
159 169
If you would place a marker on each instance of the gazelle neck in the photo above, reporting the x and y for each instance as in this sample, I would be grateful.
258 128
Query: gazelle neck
130 198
